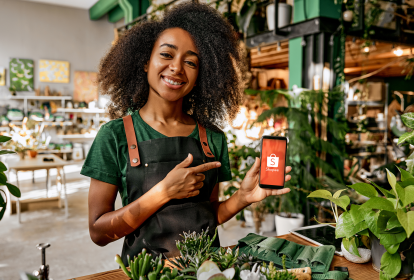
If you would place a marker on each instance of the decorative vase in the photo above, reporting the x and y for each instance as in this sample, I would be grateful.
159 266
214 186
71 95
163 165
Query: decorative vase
363 252
21 154
285 224
32 153
284 15
348 15
377 250
268 223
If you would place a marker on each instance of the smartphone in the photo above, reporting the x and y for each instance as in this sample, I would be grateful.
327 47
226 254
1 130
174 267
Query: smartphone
272 162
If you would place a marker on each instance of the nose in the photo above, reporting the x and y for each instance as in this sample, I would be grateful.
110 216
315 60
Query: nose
176 66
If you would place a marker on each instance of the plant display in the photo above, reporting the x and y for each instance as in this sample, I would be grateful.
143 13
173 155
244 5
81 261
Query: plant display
199 261
3 180
387 215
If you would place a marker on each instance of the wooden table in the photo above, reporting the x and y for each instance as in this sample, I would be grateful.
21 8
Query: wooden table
31 164
356 271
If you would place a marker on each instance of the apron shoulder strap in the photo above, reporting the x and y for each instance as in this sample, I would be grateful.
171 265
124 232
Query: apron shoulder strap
204 141
132 141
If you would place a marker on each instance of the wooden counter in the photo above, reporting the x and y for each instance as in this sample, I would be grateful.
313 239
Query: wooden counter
356 271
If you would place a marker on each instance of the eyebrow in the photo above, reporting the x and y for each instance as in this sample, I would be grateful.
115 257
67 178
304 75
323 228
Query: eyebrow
176 48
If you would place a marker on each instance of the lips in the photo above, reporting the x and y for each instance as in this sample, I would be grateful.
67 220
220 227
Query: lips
172 83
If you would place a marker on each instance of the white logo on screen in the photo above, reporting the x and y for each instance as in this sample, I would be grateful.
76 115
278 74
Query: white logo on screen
272 161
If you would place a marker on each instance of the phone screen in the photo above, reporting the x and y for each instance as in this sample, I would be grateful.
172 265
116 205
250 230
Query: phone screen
273 157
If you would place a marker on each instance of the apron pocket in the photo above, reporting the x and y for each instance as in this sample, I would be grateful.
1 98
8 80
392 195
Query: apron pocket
306 256
291 250
322 256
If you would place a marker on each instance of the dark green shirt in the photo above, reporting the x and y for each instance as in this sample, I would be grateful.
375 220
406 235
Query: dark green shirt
107 158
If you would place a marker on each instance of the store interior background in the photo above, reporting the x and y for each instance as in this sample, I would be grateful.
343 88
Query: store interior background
63 31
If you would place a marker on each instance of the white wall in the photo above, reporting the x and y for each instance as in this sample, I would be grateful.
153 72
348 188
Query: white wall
41 31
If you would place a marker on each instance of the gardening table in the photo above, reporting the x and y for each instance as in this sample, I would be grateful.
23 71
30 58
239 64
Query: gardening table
356 271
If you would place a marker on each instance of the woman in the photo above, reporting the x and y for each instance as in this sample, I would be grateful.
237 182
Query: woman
179 77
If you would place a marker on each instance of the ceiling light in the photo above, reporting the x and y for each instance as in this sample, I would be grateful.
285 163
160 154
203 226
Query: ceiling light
398 51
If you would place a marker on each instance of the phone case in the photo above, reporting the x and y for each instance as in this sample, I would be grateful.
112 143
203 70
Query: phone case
272 161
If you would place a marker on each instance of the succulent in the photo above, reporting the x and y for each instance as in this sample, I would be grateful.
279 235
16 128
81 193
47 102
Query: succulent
210 271
225 258
249 259
273 273
254 274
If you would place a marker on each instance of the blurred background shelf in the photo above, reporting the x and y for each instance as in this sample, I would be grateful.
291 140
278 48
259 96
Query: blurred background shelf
91 111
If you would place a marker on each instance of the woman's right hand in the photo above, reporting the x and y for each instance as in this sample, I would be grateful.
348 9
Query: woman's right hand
184 181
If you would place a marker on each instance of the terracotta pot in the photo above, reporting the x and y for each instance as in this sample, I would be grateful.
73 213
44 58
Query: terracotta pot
32 154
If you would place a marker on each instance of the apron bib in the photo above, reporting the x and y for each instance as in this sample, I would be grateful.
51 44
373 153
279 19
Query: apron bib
149 164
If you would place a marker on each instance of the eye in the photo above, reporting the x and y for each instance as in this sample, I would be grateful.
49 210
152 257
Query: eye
192 64
166 55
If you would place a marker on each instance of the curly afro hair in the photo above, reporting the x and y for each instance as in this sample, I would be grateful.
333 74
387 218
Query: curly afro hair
214 101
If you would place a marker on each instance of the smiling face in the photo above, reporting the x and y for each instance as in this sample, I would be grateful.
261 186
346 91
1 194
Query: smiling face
174 64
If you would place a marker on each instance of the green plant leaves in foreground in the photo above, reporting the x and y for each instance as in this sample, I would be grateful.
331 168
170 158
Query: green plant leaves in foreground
379 203
342 201
346 228
13 190
391 179
404 174
4 138
390 264
351 246
408 120
408 136
406 220
358 213
365 189
4 152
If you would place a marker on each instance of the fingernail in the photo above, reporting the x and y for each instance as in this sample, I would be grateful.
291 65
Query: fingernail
218 164
188 154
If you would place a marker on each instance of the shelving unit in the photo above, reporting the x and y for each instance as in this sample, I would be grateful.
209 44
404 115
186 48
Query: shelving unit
46 123
366 155
88 111
26 98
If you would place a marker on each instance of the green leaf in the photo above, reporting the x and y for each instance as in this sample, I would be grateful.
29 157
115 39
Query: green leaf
342 201
338 193
4 152
388 239
2 167
378 203
245 16
408 119
409 195
3 210
405 137
383 218
4 138
400 192
385 192
407 182
321 194
392 249
13 190
365 189
351 246
371 219
393 223
391 264
406 220
404 174
3 179
358 213
391 179
346 228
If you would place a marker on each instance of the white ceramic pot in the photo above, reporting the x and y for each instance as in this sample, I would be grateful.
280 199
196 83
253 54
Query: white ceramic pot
284 224
348 16
283 18
248 216
268 223
363 252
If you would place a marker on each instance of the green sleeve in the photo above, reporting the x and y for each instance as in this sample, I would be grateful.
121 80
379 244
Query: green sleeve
102 162
224 172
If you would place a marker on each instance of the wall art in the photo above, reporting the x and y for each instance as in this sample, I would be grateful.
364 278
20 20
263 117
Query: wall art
2 76
85 86
21 74
53 71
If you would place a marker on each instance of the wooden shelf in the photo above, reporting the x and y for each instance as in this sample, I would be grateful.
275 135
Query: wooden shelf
46 123
77 136
91 111
368 103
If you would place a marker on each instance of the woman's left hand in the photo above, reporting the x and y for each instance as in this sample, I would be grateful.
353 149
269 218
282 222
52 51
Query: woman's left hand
250 191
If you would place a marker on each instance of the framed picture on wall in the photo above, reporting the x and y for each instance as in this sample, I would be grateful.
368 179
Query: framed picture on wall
21 74
2 76
86 89
54 71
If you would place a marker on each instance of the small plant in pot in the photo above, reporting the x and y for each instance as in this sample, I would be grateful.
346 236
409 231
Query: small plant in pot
386 217
288 216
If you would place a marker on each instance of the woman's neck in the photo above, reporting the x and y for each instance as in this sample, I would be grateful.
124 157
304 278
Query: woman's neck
159 110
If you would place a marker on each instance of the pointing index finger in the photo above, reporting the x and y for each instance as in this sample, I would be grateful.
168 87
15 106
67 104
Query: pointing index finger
205 167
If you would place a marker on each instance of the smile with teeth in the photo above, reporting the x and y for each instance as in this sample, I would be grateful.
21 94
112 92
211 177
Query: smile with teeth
171 82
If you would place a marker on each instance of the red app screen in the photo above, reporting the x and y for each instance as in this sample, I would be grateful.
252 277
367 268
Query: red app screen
272 168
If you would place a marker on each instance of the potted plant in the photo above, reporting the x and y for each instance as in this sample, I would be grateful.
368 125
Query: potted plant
386 217
284 16
291 217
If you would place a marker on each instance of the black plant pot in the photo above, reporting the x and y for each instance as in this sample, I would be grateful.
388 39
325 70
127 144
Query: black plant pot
407 266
